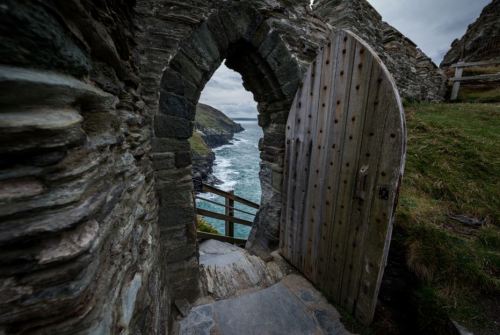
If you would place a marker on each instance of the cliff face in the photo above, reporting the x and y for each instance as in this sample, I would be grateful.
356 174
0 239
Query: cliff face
215 127
481 41
212 129
203 157
417 77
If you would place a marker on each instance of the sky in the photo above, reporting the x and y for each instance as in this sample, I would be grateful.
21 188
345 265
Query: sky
431 24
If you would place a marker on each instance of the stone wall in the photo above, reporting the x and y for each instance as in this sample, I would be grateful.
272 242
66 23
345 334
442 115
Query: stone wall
97 230
481 41
78 210
417 77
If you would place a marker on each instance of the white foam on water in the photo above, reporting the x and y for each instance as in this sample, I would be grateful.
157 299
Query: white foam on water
223 170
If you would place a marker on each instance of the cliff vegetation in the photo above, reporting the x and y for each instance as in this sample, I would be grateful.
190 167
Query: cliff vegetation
449 214
212 129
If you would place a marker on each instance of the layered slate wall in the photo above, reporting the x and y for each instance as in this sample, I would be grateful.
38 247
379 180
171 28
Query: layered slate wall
417 77
79 230
97 102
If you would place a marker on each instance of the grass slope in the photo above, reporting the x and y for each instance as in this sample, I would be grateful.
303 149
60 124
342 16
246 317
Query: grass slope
209 117
453 168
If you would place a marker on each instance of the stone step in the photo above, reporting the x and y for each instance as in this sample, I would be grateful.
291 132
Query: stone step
228 270
255 297
291 307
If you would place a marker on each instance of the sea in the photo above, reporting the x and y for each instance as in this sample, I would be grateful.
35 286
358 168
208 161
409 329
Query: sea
237 167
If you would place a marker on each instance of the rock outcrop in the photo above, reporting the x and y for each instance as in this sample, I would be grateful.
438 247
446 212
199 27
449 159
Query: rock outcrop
481 42
215 127
212 129
203 158
417 77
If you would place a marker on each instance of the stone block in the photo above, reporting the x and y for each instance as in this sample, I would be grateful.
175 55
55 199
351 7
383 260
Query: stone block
181 253
163 161
31 34
176 105
277 181
175 179
172 127
175 197
205 44
218 32
171 216
187 67
182 159
174 82
161 145
269 43
274 138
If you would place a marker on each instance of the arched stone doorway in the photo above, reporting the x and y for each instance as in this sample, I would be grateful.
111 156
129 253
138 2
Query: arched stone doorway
272 73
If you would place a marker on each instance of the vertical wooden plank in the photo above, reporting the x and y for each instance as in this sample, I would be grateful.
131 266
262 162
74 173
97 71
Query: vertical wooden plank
293 145
389 174
340 105
319 169
369 156
456 84
303 138
289 179
330 156
360 89
313 154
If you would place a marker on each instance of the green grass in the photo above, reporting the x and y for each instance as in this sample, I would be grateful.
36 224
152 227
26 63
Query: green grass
204 226
479 94
453 167
198 145
209 117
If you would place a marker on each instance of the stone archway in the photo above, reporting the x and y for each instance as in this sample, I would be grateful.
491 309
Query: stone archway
252 48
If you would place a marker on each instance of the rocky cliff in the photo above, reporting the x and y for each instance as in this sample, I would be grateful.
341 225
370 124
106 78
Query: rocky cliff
212 128
215 127
481 41
417 77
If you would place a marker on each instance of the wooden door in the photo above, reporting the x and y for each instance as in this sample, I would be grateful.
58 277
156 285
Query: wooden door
345 152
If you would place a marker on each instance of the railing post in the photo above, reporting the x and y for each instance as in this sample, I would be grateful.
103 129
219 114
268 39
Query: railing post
456 83
229 212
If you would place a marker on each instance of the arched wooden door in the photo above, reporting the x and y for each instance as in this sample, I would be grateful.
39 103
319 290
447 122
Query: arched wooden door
345 152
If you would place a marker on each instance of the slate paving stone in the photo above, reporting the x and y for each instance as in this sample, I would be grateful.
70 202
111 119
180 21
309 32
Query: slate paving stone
290 306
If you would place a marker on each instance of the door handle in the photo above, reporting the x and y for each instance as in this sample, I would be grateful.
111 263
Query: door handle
361 183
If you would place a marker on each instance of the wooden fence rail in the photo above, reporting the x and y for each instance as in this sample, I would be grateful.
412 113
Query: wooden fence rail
228 217
459 69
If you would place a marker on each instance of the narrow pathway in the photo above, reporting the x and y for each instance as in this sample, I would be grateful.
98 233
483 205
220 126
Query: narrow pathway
256 298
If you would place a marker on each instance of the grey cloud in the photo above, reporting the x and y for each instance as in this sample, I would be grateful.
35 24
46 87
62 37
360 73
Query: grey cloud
225 92
431 24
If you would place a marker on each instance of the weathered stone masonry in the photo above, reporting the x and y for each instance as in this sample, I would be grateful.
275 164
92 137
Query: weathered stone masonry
97 102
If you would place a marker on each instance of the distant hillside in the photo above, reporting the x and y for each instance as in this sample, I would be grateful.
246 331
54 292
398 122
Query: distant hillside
215 127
